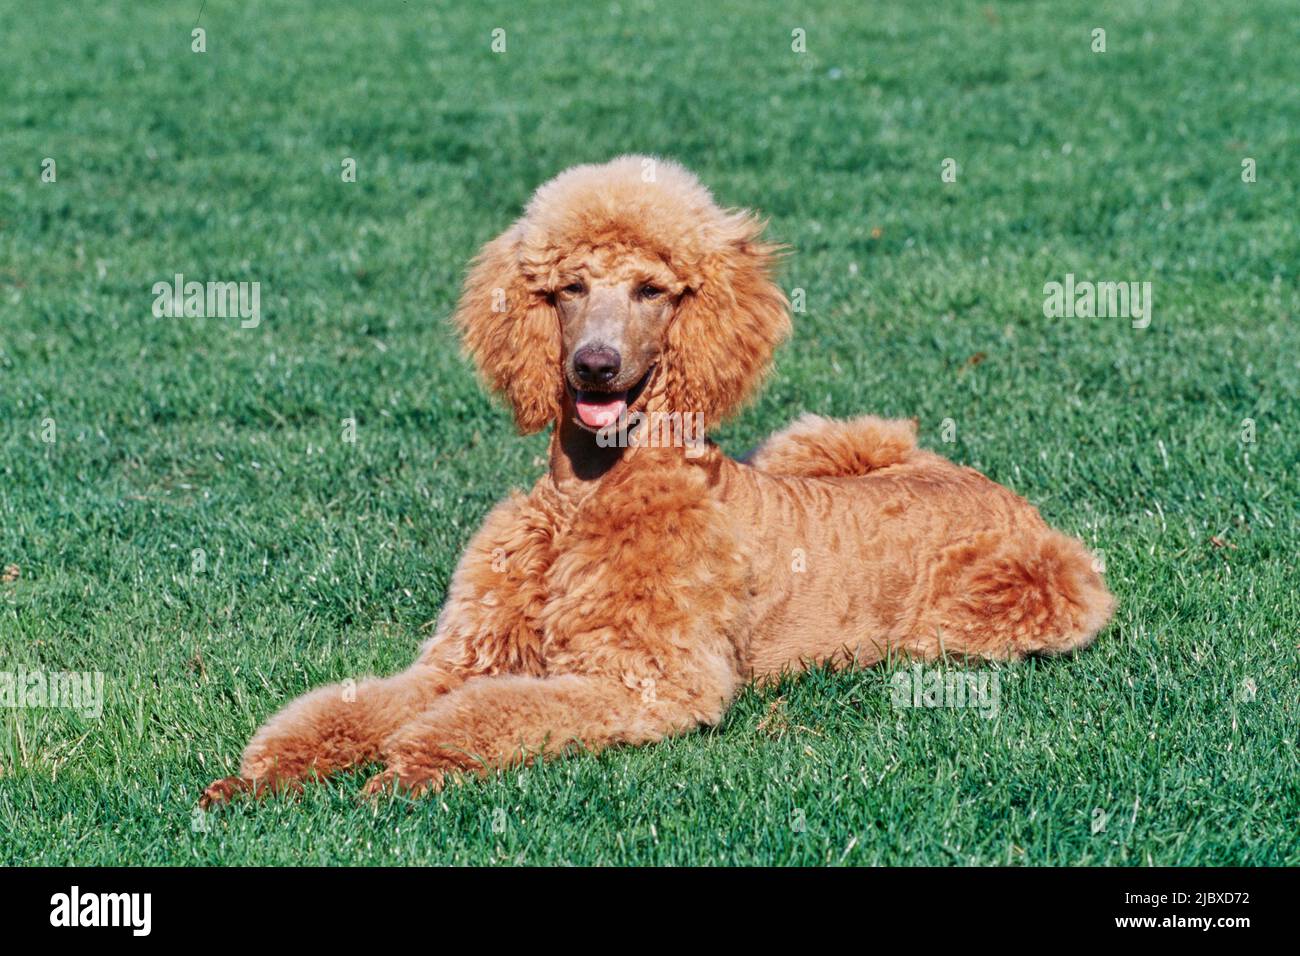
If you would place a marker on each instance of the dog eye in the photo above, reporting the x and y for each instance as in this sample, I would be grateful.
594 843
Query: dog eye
651 292
574 288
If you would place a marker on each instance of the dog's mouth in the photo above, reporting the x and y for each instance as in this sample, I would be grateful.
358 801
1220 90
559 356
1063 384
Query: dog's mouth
600 409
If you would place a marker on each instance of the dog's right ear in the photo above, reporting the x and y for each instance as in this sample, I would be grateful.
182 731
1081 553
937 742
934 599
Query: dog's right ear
512 332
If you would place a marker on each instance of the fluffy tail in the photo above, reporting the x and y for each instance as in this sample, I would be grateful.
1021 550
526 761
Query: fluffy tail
817 447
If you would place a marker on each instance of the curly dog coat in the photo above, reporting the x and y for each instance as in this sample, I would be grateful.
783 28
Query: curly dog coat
640 584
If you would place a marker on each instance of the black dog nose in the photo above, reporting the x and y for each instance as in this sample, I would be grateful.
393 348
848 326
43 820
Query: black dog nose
596 366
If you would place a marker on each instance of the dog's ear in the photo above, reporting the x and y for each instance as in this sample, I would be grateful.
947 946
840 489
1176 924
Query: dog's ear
728 324
512 332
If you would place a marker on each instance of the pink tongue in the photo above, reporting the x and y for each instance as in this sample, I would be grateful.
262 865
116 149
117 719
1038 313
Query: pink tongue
600 411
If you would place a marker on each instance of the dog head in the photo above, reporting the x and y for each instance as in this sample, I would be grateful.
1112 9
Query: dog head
623 287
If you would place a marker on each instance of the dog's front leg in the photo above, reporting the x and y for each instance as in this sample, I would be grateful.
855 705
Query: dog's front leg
329 729
493 591
497 722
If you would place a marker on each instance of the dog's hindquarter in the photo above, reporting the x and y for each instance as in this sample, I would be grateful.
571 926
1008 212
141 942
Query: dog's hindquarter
912 554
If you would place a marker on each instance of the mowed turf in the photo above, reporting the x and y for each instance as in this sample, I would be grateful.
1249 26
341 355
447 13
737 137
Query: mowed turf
1170 449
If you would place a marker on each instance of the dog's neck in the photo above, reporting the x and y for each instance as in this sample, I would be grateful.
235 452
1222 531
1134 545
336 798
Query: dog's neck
578 462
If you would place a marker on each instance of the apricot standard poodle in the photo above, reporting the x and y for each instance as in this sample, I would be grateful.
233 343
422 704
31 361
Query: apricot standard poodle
647 576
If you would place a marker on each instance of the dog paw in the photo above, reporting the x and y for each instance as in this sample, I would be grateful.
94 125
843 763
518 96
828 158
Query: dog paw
394 781
221 791
227 788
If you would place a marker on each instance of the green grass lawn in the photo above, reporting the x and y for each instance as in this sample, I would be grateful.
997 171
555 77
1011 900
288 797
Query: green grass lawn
1172 741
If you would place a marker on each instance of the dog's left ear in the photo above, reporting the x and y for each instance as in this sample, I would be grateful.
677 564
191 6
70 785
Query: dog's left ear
512 332
729 322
